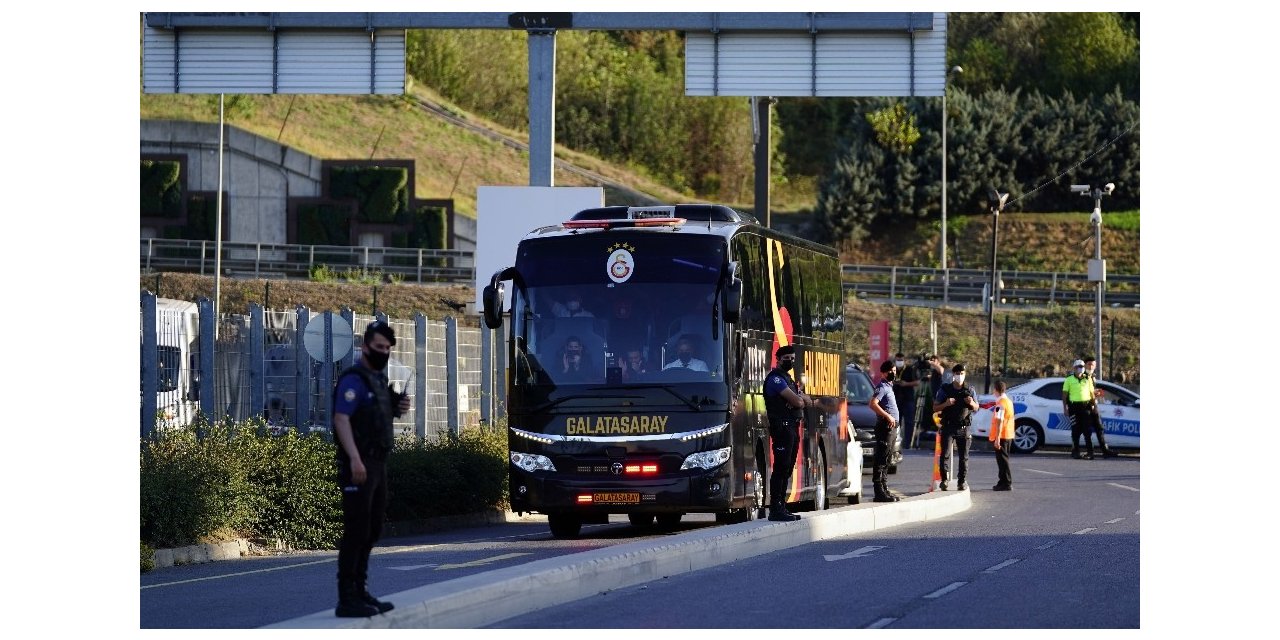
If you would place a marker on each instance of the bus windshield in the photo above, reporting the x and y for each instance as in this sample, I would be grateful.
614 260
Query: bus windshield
618 310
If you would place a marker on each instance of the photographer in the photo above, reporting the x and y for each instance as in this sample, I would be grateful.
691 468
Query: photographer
957 402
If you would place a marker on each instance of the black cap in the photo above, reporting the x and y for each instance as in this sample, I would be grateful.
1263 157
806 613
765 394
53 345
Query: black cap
380 327
784 351
887 366
959 368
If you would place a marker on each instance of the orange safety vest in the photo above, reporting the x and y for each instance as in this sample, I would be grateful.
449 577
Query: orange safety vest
1001 420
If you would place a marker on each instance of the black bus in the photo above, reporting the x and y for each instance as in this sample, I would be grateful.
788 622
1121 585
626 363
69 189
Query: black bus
639 342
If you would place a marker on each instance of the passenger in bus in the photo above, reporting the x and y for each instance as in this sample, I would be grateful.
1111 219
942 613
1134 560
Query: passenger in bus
572 307
684 357
574 365
633 365
627 324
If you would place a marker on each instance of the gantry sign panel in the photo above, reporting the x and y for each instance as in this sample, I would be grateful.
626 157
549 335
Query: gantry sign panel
319 61
898 62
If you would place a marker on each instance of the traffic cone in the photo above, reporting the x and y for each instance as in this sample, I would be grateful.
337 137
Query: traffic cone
937 452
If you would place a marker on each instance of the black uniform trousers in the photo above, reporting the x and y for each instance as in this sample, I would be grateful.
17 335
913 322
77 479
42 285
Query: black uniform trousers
1002 462
785 440
364 507
1085 422
882 451
960 438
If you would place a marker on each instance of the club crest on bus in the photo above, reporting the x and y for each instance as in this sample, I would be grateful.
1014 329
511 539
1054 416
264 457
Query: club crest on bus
621 263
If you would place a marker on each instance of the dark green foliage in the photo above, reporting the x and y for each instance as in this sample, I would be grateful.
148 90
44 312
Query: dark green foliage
161 193
381 193
1031 146
146 557
324 224
189 487
294 494
453 475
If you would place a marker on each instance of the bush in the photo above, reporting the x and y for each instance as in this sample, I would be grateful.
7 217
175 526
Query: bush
189 485
147 557
466 473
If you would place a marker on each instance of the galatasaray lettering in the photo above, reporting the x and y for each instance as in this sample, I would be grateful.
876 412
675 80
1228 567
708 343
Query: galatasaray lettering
608 425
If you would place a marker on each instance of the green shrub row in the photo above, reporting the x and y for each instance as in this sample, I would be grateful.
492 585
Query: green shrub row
209 481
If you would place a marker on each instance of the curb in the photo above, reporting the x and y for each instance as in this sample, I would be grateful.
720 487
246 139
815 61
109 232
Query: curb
485 598
235 549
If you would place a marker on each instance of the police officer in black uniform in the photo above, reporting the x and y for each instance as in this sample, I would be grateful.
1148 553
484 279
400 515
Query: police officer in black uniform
957 402
785 405
885 405
364 405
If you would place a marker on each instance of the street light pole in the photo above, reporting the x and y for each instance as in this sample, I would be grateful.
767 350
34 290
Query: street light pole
1097 266
996 201
942 255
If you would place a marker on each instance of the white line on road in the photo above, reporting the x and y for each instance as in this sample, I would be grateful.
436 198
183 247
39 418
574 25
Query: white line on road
1114 520
411 567
1000 566
1121 486
947 589
1047 545
241 573
1085 530
861 552
1047 473
882 623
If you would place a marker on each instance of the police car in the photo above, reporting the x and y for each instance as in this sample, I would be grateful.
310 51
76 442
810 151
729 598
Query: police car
862 420
1039 421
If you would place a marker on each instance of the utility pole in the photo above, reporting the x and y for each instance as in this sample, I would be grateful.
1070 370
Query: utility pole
1097 266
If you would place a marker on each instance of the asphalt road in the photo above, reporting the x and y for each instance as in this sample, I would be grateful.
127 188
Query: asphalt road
1060 551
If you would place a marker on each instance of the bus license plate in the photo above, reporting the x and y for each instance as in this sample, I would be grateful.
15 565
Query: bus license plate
627 497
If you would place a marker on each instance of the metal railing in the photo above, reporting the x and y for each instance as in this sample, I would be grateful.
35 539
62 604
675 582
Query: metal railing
966 286
261 259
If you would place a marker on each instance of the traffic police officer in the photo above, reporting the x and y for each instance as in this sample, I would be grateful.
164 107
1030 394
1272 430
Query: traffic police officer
1080 402
957 402
363 408
785 406
885 405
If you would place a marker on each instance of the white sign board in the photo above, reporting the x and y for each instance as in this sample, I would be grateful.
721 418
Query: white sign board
887 63
504 215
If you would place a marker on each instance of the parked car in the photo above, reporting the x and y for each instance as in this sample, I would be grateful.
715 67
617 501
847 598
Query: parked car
862 420
1039 421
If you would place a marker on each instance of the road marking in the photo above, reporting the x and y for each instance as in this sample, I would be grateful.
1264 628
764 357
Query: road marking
1121 486
882 623
1000 566
1047 473
413 566
1047 545
481 562
1113 521
1085 530
947 589
241 573
860 553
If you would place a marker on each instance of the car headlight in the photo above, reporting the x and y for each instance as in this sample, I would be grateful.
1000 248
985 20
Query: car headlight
532 461
706 459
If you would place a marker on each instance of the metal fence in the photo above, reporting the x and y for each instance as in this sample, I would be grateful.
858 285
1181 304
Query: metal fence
966 286
282 366
300 260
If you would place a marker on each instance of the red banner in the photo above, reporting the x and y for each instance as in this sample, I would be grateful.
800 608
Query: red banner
879 346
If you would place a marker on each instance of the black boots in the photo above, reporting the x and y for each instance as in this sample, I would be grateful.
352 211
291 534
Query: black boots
382 605
351 603
778 513
883 494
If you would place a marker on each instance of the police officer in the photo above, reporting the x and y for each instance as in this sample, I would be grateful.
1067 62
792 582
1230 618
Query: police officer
957 402
363 407
785 407
1080 402
885 405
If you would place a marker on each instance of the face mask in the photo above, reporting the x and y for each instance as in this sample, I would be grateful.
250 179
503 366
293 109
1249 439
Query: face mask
959 378
1080 373
899 364
685 356
377 361
890 376
786 365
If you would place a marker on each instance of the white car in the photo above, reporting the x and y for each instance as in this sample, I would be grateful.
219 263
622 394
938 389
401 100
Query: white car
1039 421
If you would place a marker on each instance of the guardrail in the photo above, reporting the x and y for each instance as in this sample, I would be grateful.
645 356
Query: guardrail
297 260
893 284
966 286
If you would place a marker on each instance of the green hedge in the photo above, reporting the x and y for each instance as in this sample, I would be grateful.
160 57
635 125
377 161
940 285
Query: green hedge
206 481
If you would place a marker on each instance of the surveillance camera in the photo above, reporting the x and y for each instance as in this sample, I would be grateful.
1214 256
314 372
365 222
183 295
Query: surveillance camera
1109 188
1079 188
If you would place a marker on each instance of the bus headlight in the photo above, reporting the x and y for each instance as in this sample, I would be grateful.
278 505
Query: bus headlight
531 462
706 459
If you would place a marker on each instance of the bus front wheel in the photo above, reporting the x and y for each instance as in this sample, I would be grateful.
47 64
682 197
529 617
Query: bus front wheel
564 526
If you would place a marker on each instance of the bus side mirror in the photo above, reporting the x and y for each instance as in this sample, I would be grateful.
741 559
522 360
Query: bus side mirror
493 300
731 297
